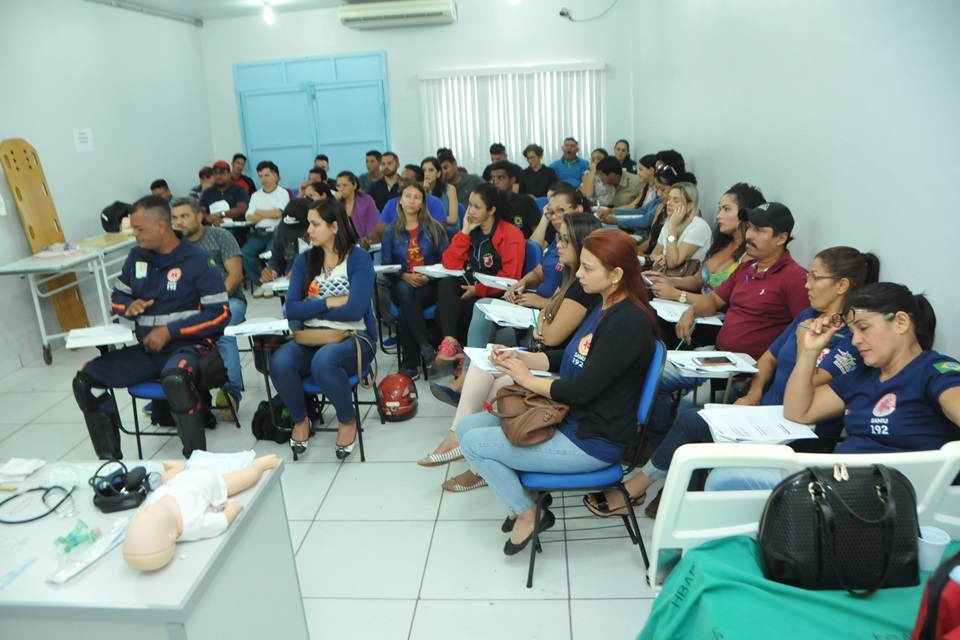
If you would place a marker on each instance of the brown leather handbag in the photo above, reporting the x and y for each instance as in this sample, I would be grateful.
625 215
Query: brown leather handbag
527 418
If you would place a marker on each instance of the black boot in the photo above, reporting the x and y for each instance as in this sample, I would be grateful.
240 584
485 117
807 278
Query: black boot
104 434
190 426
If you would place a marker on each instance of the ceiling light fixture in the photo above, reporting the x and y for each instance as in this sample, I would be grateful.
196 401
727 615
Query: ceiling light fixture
268 15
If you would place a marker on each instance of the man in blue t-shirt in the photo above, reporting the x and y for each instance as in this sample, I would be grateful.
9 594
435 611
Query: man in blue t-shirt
570 168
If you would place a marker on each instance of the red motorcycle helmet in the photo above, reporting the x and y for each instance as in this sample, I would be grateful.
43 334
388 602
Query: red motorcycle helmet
398 398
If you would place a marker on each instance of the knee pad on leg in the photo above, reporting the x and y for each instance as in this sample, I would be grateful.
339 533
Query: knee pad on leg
180 391
83 386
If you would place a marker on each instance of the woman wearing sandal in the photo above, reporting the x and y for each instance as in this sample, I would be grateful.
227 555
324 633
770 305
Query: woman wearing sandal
330 287
834 275
557 321
600 375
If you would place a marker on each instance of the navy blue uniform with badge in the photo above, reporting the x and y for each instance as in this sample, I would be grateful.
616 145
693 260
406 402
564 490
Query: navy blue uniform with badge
902 413
190 300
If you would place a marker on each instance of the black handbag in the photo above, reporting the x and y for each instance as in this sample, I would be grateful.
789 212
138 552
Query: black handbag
842 528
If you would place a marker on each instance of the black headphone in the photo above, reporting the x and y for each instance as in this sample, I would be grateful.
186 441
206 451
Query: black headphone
121 489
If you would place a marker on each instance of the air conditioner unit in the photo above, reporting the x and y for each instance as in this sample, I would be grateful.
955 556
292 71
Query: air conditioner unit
404 13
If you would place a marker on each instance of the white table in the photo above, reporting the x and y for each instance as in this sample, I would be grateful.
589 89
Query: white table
242 584
86 264
744 361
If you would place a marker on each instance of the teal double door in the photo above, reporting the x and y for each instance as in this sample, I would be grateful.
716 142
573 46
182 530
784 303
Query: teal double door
293 110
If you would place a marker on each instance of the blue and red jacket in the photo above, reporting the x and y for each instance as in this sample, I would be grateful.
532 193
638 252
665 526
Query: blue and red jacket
501 255
186 287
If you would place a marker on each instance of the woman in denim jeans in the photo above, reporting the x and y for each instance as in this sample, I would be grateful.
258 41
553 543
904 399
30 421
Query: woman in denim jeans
330 287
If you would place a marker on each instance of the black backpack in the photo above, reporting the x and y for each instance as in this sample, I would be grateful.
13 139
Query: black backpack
278 429
111 216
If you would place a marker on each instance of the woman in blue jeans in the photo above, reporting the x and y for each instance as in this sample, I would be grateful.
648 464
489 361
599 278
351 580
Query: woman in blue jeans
415 239
835 274
601 373
330 288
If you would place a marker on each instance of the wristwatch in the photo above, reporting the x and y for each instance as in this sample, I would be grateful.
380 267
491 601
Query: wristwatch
671 238
683 297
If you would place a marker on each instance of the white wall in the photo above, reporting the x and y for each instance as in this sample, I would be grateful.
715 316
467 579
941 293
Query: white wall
135 80
845 111
489 33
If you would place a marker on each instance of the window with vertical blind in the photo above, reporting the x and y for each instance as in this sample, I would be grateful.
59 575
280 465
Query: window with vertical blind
469 110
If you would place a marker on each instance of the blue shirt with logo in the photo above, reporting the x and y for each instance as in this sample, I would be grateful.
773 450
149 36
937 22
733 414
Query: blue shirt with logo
552 271
899 414
573 358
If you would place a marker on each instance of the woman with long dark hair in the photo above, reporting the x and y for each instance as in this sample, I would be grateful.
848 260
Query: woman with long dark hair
835 276
601 374
556 322
330 288
488 243
437 187
415 239
360 208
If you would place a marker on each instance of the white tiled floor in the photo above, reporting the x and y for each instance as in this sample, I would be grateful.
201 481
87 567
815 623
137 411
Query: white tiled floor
382 551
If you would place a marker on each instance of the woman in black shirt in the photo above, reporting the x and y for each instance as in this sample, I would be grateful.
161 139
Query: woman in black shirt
601 372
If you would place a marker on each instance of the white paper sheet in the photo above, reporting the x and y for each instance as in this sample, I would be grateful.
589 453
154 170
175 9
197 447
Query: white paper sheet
506 314
387 268
436 271
278 285
671 311
100 336
684 360
496 282
481 358
257 326
754 424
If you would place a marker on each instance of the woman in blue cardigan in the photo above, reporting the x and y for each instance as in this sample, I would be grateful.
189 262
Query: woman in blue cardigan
415 239
330 287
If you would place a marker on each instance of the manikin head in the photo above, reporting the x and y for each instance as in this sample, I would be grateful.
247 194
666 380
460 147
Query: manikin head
151 538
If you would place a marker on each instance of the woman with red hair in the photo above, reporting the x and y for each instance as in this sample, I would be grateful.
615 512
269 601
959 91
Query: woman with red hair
601 372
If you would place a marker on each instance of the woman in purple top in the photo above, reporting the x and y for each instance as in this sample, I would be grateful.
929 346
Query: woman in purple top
360 207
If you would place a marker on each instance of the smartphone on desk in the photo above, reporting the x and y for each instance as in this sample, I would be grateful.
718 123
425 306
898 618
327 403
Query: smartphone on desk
713 361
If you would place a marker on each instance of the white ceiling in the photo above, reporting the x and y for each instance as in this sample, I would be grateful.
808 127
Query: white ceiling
216 9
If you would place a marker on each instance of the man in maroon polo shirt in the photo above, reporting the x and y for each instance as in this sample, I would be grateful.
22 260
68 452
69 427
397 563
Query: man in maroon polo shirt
760 298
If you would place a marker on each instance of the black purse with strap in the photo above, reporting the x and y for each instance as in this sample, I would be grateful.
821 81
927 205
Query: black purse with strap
842 528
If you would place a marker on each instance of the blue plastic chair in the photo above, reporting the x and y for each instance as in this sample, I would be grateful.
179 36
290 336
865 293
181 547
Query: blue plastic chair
533 255
542 202
310 386
428 314
608 478
151 391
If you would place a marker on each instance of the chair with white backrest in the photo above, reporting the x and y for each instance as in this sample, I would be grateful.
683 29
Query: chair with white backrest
687 519
607 478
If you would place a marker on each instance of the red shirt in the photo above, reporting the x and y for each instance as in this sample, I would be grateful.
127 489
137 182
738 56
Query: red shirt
414 254
760 304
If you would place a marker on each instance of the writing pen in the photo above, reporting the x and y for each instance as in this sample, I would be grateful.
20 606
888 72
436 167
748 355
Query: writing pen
511 349
692 327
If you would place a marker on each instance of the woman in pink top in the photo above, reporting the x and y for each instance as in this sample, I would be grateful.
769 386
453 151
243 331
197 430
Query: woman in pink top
360 207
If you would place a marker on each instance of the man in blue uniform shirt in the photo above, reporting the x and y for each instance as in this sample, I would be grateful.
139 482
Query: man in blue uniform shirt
175 294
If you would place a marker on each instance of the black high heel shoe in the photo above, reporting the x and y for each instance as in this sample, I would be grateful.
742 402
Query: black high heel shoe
547 521
299 447
345 450
508 522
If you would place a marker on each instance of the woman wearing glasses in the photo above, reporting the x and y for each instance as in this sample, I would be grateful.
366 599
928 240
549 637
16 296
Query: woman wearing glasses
556 322
834 274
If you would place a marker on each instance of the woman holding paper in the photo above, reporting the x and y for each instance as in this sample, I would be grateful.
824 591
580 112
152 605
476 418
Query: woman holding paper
415 239
557 321
600 377
488 243
834 274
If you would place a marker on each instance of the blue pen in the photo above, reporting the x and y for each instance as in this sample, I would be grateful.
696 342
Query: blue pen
692 327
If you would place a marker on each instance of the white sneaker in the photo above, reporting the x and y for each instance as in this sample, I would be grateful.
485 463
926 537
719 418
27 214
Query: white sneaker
266 292
258 292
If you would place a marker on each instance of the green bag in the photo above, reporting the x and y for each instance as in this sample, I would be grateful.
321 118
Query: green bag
718 590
